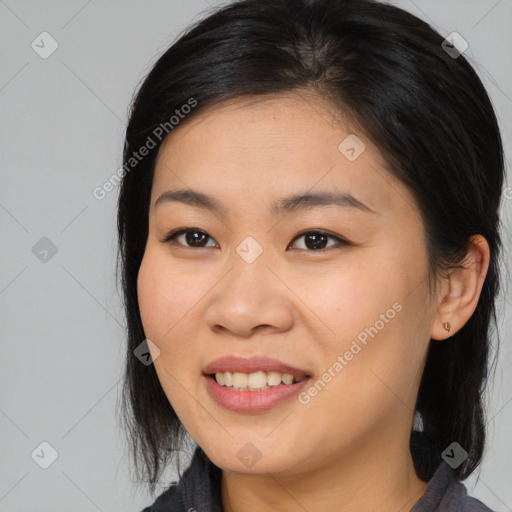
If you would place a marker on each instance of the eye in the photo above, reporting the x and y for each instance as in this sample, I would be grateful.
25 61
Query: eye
195 238
316 240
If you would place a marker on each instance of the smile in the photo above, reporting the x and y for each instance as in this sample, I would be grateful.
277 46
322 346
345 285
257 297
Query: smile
257 381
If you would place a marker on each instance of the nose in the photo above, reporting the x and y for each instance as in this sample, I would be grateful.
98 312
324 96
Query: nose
251 298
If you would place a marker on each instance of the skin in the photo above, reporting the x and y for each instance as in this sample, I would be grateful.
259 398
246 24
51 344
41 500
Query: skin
348 447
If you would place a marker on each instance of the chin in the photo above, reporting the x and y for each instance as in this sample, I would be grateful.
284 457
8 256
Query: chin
250 458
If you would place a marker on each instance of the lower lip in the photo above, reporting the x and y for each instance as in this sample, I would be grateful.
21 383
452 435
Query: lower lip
252 401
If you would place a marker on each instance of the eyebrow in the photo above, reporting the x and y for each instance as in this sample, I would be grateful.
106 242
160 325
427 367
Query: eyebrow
289 204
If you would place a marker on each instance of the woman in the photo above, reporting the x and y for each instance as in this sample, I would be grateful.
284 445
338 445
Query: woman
309 241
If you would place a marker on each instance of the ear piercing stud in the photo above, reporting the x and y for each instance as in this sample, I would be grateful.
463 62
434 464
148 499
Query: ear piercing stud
447 326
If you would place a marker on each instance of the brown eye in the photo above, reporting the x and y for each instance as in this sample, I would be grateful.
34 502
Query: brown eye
317 240
191 237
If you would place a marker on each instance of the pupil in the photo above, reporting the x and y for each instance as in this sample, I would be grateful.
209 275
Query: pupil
315 236
192 239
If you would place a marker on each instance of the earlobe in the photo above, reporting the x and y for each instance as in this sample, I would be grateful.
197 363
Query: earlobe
461 290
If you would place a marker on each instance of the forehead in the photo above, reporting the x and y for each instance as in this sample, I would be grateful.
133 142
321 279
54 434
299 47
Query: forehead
254 122
258 148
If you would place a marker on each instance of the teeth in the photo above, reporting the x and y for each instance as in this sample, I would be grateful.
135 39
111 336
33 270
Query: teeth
254 381
274 378
240 380
287 378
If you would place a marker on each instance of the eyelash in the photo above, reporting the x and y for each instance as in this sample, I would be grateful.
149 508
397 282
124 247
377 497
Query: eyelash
173 234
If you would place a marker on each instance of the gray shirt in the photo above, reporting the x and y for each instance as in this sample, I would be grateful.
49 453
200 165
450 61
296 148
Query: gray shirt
199 490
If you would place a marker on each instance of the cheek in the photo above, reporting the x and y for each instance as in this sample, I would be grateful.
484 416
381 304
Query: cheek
168 300
382 345
163 308
165 296
369 316
149 293
348 299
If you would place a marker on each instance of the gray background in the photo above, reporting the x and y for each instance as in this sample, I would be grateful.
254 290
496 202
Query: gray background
61 135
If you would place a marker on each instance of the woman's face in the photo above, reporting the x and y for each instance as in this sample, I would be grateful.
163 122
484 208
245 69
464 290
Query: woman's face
350 308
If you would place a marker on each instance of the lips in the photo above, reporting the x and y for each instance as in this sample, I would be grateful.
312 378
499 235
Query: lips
252 364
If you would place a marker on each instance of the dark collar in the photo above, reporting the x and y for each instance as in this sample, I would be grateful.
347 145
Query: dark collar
198 489
443 492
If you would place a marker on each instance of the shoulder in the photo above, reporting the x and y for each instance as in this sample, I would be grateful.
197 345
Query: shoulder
456 498
169 501
473 505
197 489
444 493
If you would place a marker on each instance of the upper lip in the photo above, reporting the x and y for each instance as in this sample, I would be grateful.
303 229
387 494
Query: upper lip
251 365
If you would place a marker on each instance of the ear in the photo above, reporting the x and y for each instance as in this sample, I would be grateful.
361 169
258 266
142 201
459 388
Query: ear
460 290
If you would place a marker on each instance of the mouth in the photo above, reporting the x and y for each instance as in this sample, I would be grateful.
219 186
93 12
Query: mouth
253 384
253 373
255 381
